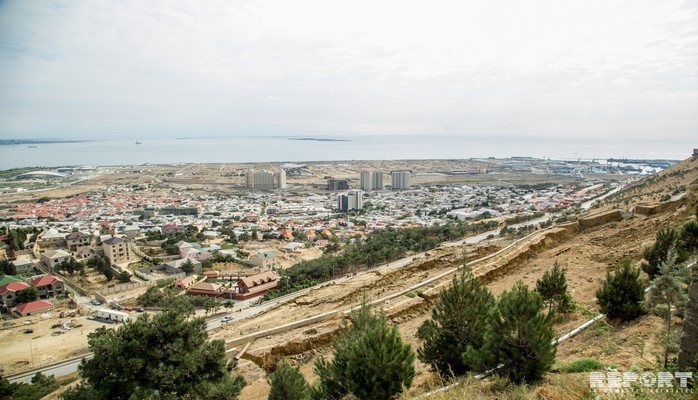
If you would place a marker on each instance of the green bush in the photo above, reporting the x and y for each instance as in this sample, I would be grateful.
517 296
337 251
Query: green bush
581 365
622 294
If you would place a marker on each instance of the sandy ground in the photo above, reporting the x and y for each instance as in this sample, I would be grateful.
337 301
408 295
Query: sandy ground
45 344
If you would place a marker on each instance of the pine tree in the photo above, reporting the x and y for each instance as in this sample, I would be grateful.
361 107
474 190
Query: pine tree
687 242
621 294
552 288
370 361
668 294
659 252
287 383
519 337
458 320
167 356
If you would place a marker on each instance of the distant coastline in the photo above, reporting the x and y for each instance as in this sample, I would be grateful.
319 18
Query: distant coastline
301 148
14 142
320 139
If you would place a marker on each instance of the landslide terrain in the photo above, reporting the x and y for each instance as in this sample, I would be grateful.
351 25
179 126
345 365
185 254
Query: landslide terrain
587 249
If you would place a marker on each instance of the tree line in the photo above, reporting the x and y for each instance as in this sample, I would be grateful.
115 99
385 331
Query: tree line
376 248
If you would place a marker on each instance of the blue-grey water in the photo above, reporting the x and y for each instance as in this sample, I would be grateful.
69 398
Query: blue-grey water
376 147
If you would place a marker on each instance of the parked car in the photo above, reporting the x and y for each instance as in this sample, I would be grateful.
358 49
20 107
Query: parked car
139 309
96 302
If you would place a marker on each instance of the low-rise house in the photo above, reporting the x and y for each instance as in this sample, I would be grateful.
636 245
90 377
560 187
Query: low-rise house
33 308
51 239
177 264
52 258
49 286
130 231
185 282
256 285
8 292
206 289
264 259
24 266
292 247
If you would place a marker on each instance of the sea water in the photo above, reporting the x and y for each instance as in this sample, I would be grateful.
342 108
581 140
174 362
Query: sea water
329 148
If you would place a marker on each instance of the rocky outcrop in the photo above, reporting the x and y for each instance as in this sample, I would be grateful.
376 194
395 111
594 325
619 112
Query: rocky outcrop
689 338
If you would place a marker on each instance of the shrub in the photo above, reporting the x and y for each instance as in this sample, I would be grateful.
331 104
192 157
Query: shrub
621 294
581 365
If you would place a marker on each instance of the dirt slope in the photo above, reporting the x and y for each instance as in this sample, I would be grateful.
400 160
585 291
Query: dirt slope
587 251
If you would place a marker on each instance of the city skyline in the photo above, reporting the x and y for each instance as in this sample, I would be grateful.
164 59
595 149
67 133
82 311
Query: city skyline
575 69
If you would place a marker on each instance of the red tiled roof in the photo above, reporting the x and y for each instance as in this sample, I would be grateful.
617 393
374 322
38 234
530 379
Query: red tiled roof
45 280
13 287
206 286
34 306
263 287
259 279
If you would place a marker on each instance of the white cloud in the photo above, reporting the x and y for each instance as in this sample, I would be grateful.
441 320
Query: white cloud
538 68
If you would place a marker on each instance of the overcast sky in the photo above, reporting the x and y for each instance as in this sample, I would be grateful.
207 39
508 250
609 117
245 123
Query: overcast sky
149 68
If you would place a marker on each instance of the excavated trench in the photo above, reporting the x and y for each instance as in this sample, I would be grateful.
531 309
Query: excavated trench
309 342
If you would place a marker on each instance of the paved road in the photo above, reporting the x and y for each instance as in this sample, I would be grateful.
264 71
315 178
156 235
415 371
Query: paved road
246 309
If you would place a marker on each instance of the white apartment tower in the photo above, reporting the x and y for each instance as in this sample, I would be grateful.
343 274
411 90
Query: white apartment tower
265 180
400 179
353 200
371 180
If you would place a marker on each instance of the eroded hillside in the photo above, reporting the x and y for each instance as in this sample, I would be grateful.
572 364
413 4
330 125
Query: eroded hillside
619 228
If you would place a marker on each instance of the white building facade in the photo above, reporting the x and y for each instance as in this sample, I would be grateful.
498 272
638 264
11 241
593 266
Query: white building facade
400 180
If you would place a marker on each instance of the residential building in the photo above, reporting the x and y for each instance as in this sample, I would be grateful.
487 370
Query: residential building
175 210
49 286
24 266
51 239
371 180
185 282
353 200
256 285
117 250
52 258
177 264
204 288
265 180
400 180
34 307
337 184
8 292
264 260
77 241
